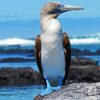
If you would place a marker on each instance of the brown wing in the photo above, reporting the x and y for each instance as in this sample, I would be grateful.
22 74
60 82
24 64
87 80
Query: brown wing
38 53
67 51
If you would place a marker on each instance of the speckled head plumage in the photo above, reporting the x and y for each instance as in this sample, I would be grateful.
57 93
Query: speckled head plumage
50 8
54 9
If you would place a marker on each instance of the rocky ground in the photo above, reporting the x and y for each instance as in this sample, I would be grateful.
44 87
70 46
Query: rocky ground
75 91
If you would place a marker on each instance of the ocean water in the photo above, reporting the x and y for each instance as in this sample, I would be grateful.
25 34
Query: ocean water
30 28
20 93
84 33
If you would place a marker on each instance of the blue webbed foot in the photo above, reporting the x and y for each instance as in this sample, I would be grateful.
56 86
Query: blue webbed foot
50 89
56 88
46 91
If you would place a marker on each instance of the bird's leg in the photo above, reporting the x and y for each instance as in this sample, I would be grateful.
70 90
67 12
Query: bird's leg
48 89
60 83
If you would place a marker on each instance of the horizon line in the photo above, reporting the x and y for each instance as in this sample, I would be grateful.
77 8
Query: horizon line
39 19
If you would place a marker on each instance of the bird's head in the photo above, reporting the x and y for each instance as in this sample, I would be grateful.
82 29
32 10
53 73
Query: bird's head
54 9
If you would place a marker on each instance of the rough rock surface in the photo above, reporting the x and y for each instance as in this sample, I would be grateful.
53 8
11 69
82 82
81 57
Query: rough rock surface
75 91
76 52
84 70
6 60
19 77
83 61
86 73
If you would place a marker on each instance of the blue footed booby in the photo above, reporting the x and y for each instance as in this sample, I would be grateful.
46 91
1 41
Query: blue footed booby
52 47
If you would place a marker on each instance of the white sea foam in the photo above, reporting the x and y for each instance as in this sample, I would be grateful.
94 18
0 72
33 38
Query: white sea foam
16 41
92 39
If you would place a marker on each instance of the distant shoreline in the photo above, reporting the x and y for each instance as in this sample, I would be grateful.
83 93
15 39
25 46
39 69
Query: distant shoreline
30 52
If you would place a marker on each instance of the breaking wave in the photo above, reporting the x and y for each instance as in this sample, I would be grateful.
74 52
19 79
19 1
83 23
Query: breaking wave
16 41
86 40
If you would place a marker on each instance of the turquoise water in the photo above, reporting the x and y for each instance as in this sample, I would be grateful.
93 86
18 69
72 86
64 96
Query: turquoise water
20 93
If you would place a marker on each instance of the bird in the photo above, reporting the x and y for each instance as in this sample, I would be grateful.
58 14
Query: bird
52 47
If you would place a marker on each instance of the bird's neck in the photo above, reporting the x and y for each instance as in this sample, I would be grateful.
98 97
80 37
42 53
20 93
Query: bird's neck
45 21
50 24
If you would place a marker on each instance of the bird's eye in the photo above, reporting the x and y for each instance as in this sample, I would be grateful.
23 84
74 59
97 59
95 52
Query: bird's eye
61 6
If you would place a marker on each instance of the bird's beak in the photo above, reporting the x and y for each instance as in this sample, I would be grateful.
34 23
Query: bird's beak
69 8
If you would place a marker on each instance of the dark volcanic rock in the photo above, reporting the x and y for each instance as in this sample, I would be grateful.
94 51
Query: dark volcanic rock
83 69
19 77
17 51
76 52
17 60
98 52
86 73
87 52
75 91
83 61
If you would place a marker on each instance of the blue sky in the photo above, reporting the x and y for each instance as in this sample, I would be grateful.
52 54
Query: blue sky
30 9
